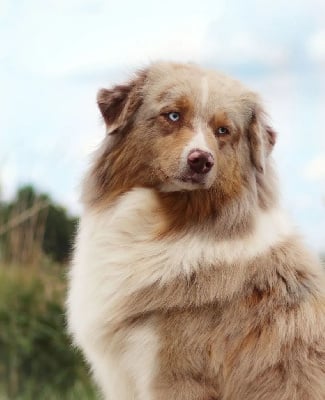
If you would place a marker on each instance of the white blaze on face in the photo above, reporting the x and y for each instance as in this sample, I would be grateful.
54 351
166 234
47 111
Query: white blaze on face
204 94
198 141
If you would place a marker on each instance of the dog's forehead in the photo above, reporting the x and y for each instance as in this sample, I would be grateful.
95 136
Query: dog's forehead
207 90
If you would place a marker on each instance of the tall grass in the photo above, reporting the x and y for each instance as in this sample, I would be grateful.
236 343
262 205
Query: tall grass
36 357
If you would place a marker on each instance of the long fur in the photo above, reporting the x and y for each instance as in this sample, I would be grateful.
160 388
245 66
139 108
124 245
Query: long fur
192 291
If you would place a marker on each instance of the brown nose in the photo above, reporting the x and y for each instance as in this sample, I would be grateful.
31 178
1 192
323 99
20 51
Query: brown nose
200 161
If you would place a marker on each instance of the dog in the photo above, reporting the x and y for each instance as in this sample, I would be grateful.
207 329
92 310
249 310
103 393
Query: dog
188 281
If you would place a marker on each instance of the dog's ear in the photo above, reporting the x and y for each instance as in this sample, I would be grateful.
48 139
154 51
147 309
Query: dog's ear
261 137
120 103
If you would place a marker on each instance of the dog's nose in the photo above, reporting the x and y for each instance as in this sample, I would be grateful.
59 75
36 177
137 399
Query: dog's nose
200 161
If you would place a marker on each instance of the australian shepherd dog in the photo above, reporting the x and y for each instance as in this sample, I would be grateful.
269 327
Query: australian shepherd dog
188 281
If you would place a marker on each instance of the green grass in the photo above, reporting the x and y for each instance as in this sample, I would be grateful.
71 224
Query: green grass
37 360
78 392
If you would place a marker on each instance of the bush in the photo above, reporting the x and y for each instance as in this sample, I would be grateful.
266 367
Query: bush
36 357
43 227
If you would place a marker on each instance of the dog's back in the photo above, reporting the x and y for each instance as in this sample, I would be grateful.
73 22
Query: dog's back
188 281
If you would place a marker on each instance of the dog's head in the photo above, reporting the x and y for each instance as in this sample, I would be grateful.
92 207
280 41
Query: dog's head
178 127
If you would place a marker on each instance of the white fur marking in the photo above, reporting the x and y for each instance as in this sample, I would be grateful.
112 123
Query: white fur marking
197 142
114 255
117 254
204 93
140 360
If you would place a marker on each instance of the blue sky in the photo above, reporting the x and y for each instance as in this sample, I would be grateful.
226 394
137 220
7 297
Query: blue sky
55 54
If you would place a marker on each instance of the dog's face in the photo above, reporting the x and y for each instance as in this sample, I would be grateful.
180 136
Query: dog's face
181 128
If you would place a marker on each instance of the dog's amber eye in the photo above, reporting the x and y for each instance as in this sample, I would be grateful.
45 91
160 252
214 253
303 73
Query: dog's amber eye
173 116
222 131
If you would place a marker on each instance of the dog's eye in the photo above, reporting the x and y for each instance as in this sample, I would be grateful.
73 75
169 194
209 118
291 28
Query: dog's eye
222 131
173 116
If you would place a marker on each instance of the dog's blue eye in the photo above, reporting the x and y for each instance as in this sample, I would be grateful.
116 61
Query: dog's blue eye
174 116
223 131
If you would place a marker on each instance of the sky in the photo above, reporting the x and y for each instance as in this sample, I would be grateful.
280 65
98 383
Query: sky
56 54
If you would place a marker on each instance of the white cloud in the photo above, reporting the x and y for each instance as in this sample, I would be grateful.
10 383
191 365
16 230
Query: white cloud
4 8
56 38
316 46
243 47
315 169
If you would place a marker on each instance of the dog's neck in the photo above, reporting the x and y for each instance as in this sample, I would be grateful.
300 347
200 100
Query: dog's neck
201 211
212 210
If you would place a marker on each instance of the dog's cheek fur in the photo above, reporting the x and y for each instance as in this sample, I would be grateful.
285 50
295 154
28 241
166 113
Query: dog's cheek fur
168 150
233 171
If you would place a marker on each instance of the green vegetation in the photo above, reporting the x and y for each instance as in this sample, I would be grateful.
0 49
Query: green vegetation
37 360
32 225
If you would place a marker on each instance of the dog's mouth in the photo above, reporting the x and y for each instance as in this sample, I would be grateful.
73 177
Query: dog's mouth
188 180
195 178
181 183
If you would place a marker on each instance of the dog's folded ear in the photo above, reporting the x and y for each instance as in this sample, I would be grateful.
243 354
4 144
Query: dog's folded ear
261 137
119 104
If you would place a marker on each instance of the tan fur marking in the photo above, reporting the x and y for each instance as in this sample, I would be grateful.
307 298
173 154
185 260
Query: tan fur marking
242 324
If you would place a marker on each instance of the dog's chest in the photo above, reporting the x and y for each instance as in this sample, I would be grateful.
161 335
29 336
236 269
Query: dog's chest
119 249
119 253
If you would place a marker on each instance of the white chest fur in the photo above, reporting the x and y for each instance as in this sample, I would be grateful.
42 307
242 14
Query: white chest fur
117 254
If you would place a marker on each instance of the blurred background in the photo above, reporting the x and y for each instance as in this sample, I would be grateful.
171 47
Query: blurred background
54 56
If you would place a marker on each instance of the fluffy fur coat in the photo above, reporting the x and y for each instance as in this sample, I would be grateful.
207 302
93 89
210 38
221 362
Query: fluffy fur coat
191 285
